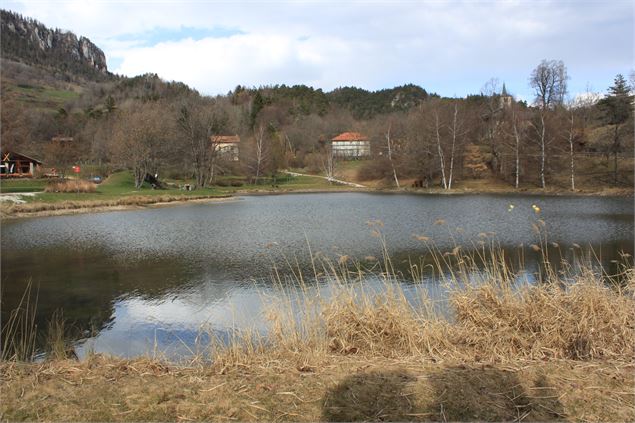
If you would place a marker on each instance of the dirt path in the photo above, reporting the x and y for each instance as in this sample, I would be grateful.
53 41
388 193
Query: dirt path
337 181
16 197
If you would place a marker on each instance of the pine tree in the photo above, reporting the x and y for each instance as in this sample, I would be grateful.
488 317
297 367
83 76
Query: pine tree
617 110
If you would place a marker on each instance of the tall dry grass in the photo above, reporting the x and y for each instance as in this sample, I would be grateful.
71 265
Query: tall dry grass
20 330
71 185
11 209
492 315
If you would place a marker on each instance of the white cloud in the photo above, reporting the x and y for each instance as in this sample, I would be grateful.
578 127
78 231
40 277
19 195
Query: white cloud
452 48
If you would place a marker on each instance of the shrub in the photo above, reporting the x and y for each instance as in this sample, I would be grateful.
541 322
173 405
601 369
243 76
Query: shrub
70 186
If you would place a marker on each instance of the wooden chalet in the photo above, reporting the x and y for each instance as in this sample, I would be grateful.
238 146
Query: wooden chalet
16 165
227 146
350 145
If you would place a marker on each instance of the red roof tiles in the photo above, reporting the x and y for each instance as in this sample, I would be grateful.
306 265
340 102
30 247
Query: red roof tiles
350 136
224 139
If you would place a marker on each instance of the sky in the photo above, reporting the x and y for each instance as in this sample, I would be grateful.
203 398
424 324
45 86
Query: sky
449 47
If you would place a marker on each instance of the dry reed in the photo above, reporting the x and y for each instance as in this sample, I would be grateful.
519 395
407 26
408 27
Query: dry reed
127 201
70 185
492 317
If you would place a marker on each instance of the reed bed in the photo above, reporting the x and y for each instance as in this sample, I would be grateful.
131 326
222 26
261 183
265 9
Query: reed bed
492 315
71 185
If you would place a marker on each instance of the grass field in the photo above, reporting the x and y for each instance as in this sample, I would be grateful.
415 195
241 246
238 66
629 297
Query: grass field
40 96
118 190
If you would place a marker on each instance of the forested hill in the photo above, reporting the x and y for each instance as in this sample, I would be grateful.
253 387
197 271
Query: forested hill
361 103
28 41
37 59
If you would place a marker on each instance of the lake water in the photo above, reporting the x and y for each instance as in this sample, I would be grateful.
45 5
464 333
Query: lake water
130 281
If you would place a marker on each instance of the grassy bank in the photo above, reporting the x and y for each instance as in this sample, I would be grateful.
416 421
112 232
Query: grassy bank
509 351
342 389
118 192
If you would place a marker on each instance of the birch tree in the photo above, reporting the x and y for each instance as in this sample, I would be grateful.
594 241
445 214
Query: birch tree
570 135
456 134
389 147
549 81
437 135
518 129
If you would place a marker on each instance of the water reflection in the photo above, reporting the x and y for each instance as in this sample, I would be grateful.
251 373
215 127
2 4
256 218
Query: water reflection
158 277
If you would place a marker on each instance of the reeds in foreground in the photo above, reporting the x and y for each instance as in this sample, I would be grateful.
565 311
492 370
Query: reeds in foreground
20 330
491 315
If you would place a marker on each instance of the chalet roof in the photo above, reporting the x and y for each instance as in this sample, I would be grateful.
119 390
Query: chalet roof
12 156
225 139
350 136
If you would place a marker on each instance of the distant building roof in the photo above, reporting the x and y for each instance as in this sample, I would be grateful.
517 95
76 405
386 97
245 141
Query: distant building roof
350 136
12 156
62 139
225 139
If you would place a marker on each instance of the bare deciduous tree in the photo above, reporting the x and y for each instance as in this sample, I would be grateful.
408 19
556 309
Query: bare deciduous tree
549 81
139 138
437 135
198 122
389 147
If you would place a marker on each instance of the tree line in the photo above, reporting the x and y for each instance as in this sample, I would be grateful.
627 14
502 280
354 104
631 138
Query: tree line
152 126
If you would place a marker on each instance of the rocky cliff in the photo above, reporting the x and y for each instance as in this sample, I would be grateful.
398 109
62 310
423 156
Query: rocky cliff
27 40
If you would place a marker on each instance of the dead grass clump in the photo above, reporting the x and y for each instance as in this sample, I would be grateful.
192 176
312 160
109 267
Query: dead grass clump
383 324
583 320
493 318
71 185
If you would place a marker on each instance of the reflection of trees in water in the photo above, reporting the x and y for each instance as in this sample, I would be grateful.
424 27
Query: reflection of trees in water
518 258
84 286
87 283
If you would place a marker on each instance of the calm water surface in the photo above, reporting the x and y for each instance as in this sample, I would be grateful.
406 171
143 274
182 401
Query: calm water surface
133 280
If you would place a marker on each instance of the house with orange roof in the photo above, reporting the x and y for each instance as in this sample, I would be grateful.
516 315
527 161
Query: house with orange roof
350 145
226 146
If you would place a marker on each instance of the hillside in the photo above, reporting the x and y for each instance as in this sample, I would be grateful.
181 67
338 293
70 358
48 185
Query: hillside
28 41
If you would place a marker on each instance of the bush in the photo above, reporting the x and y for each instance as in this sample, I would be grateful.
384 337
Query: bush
70 186
374 169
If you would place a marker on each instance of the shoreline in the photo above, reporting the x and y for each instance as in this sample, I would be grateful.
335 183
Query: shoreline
76 207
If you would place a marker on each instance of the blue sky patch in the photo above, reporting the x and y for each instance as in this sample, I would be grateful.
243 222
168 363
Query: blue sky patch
161 35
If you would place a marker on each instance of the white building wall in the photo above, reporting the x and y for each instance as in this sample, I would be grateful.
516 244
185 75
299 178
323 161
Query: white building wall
352 149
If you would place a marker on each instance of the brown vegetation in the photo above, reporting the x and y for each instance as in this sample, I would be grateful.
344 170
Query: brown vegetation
12 209
544 351
347 388
70 185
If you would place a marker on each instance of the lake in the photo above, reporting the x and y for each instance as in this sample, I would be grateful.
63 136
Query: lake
132 281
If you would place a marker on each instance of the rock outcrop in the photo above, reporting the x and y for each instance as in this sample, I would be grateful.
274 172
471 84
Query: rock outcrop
29 41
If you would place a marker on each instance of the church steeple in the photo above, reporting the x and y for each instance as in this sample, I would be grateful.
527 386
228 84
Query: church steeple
505 98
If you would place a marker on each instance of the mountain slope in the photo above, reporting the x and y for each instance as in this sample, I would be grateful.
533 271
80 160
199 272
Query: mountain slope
28 41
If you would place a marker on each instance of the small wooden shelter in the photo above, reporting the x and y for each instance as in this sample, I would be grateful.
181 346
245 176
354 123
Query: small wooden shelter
16 165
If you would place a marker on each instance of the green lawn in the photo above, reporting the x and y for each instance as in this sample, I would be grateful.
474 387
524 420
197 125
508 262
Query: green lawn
22 185
121 184
43 95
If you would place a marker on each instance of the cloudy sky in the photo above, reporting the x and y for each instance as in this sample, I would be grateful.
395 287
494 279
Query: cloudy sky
451 48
